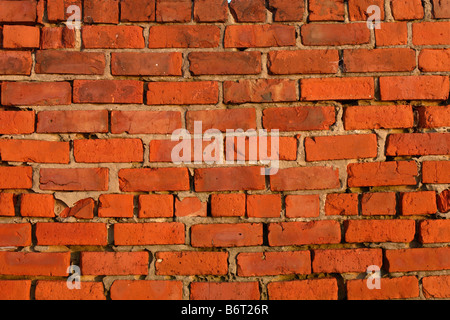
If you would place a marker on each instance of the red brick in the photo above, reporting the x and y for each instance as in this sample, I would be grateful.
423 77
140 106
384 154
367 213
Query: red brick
263 205
326 10
16 177
72 121
191 263
391 288
15 234
224 63
251 264
156 206
414 88
412 144
57 9
15 37
407 9
112 37
116 206
173 10
299 118
7 204
140 234
184 36
114 263
337 89
436 286
436 172
70 62
108 150
341 204
431 33
101 11
341 147
379 230
259 36
418 259
378 117
260 90
150 122
319 61
146 63
228 205
146 289
434 231
304 233
18 11
15 289
57 38
156 179
378 204
58 290
34 151
418 203
36 93
320 34
222 119
37 205
287 10
210 10
137 10
71 234
357 9
34 263
190 207
441 9
305 178
302 206
108 91
434 60
82 209
227 235
443 201
74 179
173 93
15 63
248 10
345 260
379 60
229 179
225 291
391 34
391 173
313 289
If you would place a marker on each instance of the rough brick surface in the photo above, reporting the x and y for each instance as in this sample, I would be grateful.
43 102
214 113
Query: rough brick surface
312 148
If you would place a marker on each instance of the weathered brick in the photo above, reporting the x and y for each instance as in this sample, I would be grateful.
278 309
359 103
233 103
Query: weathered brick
299 118
114 263
74 179
108 150
341 204
108 91
16 122
71 234
431 33
190 207
140 234
16 37
15 234
101 11
379 230
287 10
418 203
228 205
391 173
413 144
418 259
191 263
378 204
251 264
36 93
225 291
436 172
261 90
326 10
184 36
248 10
434 231
15 289
227 235
58 290
146 289
303 233
34 151
156 206
16 177
414 88
434 60
345 260
15 62
390 288
319 61
380 60
302 206
378 117
224 63
407 9
70 62
210 10
116 205
112 37
313 289
305 178
76 121
157 179
173 10
173 93
18 11
34 263
146 64
137 10
263 205
228 179
320 34
149 122
337 88
436 286
259 36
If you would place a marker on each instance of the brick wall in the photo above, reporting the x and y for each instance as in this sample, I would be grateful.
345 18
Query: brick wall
86 177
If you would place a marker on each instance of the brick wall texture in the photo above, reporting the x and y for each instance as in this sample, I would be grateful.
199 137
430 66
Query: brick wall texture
86 177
